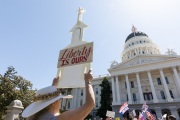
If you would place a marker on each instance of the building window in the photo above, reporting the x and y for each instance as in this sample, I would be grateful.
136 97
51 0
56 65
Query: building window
68 104
132 84
159 81
132 43
81 92
171 94
125 85
97 102
167 81
134 53
143 52
134 97
96 90
81 102
162 94
140 41
127 97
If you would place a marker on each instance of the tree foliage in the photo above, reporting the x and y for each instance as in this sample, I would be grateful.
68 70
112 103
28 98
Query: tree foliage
13 87
105 99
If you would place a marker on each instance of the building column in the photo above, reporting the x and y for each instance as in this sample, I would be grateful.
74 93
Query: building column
128 90
84 95
117 90
147 50
140 50
176 77
72 100
136 51
165 86
155 100
158 112
139 88
75 97
113 91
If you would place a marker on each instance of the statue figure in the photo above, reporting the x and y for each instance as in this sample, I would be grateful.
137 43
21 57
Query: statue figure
113 63
171 52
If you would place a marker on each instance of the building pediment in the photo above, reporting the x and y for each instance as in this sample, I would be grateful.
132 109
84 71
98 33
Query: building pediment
142 60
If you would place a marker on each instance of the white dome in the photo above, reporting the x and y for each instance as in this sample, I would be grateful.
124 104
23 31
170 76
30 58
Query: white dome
138 43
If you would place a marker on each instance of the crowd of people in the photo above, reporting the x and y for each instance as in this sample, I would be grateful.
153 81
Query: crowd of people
46 105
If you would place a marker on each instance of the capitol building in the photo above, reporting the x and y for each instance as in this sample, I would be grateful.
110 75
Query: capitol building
143 75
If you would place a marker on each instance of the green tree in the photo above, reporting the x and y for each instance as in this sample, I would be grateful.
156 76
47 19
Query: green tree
105 99
14 87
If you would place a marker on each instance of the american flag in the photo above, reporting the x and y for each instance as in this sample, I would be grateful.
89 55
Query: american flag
141 116
144 107
123 108
150 115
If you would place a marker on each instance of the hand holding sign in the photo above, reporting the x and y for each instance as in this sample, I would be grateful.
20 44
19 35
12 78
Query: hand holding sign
88 77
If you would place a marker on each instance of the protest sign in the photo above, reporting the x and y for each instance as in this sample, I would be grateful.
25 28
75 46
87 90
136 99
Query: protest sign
110 114
76 55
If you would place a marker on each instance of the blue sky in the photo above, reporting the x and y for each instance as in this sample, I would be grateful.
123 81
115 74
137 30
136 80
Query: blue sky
32 32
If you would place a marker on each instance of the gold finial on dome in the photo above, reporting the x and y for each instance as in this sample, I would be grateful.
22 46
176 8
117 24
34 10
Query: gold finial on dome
134 29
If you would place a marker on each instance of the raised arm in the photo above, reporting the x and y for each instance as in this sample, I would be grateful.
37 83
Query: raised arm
81 112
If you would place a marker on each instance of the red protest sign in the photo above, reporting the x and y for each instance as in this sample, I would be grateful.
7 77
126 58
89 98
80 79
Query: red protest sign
76 55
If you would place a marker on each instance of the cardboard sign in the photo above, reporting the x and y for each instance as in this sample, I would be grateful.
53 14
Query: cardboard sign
110 114
76 55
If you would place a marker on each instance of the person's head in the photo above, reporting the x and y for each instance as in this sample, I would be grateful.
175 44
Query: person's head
46 99
171 117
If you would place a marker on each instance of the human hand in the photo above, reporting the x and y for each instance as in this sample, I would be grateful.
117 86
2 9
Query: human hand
55 81
88 76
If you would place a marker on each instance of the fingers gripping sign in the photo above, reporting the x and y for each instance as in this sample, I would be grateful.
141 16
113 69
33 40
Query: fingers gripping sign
88 76
56 81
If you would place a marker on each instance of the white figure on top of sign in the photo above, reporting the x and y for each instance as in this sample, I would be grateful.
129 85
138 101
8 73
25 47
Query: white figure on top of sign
76 58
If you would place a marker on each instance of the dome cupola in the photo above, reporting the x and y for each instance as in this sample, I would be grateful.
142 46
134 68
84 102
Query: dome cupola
138 43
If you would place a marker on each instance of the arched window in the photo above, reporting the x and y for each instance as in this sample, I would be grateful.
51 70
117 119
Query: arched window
171 94
125 85
162 94
81 102
96 90
68 104
81 92
132 43
167 81
140 41
132 84
159 81
143 52
134 97
97 102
